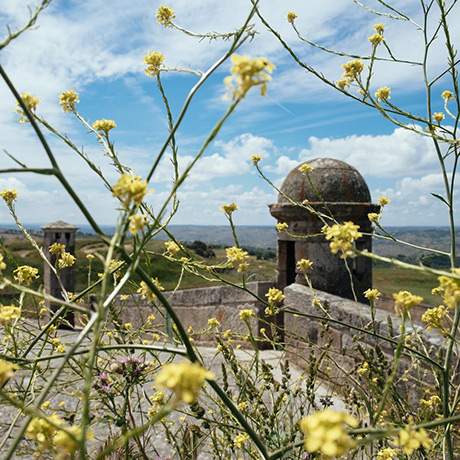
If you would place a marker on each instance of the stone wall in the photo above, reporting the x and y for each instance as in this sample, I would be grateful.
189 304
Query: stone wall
195 306
304 334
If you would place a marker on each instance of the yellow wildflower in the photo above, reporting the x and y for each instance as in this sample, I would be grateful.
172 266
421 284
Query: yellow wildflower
446 95
42 431
165 15
256 158
230 208
2 263
128 326
248 72
387 454
172 248
379 28
56 248
431 403
66 260
158 397
9 195
237 258
384 200
373 216
185 379
405 300
104 125
25 274
6 371
449 290
438 116
68 100
136 223
240 439
376 39
130 188
213 322
274 296
383 93
145 291
433 317
343 83
281 226
352 69
409 439
363 369
154 60
305 168
291 17
65 445
31 102
90 257
246 314
243 405
326 433
303 265
342 237
9 313
372 294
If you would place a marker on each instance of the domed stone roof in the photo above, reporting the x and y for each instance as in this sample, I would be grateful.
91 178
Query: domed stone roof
332 181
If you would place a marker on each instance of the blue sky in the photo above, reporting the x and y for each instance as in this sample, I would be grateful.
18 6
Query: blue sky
97 48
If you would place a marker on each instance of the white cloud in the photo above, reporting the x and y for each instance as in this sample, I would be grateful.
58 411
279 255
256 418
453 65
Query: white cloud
385 156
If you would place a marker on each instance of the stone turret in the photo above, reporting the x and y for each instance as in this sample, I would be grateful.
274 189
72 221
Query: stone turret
59 232
334 189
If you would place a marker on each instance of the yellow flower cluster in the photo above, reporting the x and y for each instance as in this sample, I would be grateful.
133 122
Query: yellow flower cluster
237 258
431 403
172 248
130 188
154 60
405 300
9 195
185 379
104 125
66 260
56 248
383 201
383 93
438 116
351 71
240 439
48 433
229 208
373 217
409 439
303 265
136 223
25 274
248 72
387 454
376 39
447 95
31 102
326 433
274 296
246 314
281 226
363 369
68 100
146 293
8 314
213 323
305 168
372 294
291 17
256 158
6 371
342 237
449 290
433 317
165 15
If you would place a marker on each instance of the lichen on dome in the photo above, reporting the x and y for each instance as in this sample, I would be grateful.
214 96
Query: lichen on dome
331 181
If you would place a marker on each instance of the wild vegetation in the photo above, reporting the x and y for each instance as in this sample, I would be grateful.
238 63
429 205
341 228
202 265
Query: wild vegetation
91 396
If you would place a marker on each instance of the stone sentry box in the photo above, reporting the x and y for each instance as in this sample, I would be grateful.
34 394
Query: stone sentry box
59 232
336 189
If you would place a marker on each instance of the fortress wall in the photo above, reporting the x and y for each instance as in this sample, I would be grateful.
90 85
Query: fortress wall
195 306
